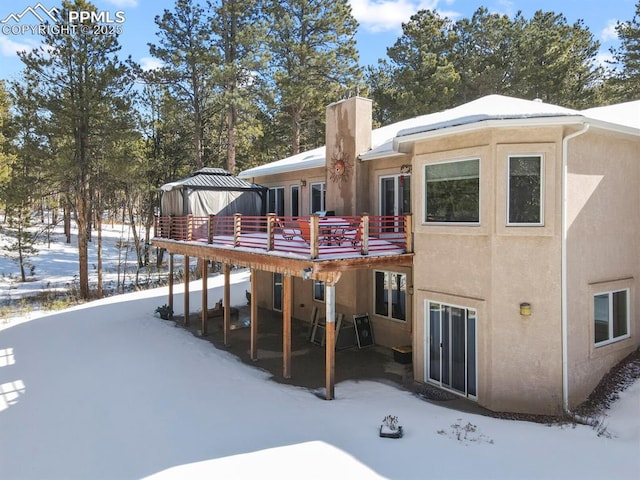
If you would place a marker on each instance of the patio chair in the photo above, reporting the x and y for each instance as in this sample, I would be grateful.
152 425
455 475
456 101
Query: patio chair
288 233
305 230
353 236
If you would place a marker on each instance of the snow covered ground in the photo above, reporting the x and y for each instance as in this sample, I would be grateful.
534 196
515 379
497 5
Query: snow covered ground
106 390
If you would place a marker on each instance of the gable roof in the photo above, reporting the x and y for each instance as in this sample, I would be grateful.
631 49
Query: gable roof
491 109
212 179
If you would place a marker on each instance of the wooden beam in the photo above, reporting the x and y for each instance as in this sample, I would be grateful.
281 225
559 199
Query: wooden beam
186 290
205 300
330 340
171 285
254 315
277 264
226 268
286 326
261 261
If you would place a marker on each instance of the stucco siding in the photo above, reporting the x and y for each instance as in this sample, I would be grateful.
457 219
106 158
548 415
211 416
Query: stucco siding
603 252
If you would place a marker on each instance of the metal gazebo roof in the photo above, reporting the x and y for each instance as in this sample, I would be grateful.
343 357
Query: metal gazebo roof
212 179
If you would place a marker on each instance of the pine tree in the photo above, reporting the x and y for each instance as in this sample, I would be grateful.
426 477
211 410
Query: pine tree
314 62
185 48
238 40
626 78
80 85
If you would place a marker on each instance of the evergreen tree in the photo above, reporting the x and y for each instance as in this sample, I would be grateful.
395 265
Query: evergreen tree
484 55
238 40
422 67
80 84
626 79
314 61
24 186
185 48
555 61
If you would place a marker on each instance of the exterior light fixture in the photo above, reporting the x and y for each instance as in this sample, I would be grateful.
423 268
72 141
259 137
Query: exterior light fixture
525 309
303 183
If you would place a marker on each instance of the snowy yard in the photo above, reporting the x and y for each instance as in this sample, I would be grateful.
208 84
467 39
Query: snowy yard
108 390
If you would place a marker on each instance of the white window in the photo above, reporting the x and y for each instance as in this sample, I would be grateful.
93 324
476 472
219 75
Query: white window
318 197
275 200
295 200
452 192
395 194
390 294
525 187
611 316
318 291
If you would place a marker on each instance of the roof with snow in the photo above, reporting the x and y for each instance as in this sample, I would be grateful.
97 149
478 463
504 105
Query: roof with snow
491 108
211 179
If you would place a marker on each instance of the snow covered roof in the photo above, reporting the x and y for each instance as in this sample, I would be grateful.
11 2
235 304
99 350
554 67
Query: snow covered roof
302 161
627 114
385 140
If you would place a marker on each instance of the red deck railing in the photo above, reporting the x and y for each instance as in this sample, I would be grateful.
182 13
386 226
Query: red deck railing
309 236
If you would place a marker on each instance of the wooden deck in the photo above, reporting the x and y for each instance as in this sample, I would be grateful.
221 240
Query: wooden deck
310 237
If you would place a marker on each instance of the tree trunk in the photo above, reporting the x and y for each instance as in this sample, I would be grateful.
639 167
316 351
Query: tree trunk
82 220
66 214
99 246
295 132
231 138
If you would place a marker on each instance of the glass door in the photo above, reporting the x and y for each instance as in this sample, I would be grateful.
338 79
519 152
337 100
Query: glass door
451 347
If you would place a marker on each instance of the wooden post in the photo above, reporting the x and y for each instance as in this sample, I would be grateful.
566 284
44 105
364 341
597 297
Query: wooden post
330 336
226 301
365 234
286 326
171 285
254 315
212 219
408 228
205 300
237 229
271 224
314 236
189 232
186 290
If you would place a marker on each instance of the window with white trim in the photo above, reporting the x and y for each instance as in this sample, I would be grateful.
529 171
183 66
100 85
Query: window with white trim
611 316
395 194
318 197
318 290
275 200
525 187
390 294
452 192
295 200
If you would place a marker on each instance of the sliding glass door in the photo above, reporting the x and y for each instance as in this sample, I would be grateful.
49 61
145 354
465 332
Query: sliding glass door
451 347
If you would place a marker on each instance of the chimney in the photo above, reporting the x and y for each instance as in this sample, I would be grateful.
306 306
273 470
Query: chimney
348 134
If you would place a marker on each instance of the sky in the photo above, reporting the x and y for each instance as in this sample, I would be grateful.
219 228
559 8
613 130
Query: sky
108 390
380 22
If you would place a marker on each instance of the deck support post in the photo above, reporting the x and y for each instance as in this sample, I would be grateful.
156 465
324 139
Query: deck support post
186 290
330 339
171 285
254 315
205 299
286 326
226 302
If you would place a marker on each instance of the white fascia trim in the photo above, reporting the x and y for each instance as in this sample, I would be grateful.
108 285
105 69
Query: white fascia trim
271 170
483 124
365 157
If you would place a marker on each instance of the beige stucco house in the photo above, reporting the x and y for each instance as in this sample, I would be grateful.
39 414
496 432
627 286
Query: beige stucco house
522 290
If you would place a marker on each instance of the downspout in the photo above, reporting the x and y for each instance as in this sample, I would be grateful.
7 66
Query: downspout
565 320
